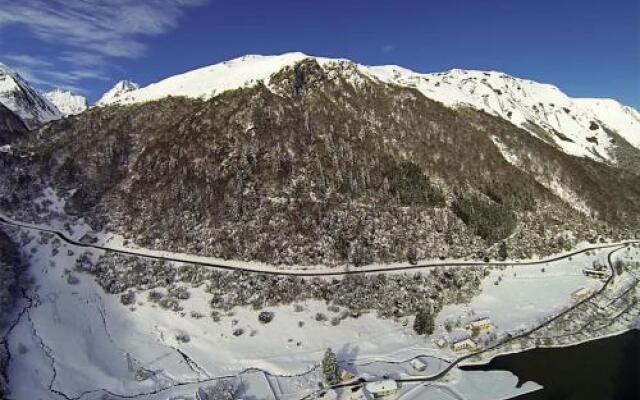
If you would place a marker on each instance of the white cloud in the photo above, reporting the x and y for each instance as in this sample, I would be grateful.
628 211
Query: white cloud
108 27
82 58
88 33
74 75
27 60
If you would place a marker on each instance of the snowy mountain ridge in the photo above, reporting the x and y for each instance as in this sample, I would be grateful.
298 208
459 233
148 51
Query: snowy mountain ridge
18 96
67 102
580 127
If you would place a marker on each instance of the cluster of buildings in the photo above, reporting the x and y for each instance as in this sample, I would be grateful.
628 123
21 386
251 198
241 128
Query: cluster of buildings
466 343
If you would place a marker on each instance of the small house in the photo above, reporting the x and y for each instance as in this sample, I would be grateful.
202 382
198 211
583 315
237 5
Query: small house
464 345
359 393
381 389
418 365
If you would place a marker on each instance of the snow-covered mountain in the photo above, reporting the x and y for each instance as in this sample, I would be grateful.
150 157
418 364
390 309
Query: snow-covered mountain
208 81
67 102
18 96
581 127
118 93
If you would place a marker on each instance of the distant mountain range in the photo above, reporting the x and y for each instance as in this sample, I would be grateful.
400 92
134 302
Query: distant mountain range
294 159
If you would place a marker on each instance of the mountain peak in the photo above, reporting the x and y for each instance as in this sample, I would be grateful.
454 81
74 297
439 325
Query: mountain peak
117 92
66 101
18 96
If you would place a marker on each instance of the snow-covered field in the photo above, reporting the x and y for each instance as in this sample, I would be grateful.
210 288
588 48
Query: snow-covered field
96 345
525 293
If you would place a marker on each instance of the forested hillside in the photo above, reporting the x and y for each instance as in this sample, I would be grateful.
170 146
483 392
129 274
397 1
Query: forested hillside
324 165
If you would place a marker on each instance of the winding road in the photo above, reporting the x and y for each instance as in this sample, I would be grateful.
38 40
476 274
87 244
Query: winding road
302 271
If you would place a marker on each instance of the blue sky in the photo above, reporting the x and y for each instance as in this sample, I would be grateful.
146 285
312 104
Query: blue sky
588 48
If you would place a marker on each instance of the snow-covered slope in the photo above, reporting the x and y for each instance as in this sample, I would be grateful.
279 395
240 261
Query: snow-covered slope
581 127
118 93
67 102
623 119
17 95
210 81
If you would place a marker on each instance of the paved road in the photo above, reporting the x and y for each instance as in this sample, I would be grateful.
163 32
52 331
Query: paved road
297 272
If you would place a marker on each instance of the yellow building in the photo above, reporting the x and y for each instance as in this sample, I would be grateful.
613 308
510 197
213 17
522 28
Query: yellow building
581 294
480 325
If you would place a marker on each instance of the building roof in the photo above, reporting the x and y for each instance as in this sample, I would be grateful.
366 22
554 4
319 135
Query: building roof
418 362
581 291
465 342
382 386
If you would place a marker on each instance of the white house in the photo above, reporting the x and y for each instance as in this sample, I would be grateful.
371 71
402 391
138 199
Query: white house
380 389
465 344
418 365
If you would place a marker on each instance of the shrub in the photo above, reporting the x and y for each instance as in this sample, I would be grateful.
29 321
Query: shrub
128 298
72 279
265 317
238 332
183 337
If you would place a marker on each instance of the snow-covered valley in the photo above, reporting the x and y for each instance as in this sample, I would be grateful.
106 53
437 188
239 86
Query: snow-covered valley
73 340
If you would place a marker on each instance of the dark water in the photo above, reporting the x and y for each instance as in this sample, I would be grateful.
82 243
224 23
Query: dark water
607 369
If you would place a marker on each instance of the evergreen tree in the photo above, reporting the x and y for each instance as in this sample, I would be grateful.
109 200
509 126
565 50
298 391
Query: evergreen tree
330 367
502 251
412 255
424 323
